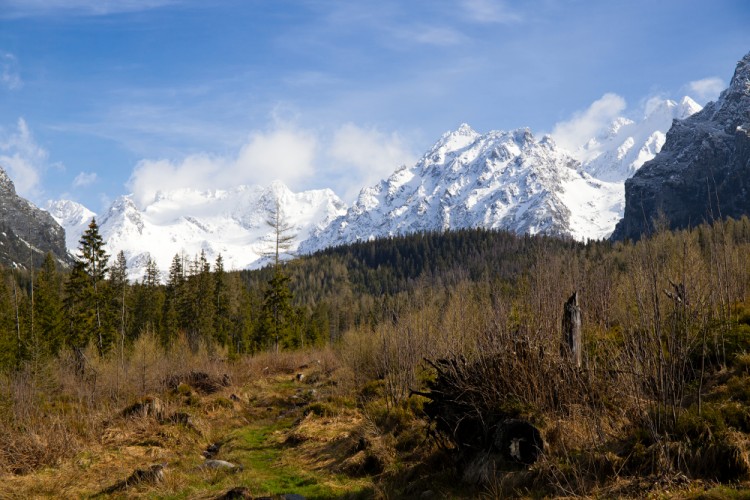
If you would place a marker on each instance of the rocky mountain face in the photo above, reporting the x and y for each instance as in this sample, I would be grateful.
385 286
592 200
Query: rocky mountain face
187 222
703 171
27 232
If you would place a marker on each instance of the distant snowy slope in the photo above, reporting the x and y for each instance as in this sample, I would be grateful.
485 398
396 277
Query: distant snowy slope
73 217
230 223
616 152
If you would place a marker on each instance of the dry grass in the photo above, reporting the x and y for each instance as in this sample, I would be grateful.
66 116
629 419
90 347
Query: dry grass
70 436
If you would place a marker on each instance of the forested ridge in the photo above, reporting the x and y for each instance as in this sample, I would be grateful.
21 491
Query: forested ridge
660 393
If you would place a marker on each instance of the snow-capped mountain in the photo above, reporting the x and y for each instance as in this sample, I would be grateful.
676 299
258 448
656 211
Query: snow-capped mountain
186 221
616 152
507 180
73 217
500 180
512 181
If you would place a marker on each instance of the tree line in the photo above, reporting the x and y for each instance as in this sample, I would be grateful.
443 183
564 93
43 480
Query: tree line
307 301
46 309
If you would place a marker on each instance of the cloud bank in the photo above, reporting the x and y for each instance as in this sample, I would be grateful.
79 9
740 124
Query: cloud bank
706 89
22 158
350 158
572 134
364 156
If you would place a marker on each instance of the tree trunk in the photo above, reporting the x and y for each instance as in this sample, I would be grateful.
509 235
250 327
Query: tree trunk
571 326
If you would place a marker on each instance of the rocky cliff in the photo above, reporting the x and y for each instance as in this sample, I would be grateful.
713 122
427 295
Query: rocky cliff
27 231
703 171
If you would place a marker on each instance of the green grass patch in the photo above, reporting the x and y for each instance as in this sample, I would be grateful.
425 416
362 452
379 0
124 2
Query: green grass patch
269 468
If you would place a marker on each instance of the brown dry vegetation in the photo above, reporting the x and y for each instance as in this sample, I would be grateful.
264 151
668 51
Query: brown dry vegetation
661 406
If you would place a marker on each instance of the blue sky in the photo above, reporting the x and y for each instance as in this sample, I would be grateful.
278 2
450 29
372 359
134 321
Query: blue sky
100 98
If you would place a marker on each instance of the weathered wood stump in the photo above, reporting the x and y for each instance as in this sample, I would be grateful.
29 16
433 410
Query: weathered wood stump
571 327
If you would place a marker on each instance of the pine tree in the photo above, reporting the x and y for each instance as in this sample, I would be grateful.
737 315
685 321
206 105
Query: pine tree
277 308
118 288
8 340
277 299
222 320
203 300
93 257
148 303
48 306
79 322
173 302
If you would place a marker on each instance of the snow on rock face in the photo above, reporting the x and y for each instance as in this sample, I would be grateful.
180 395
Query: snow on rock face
618 151
187 221
499 180
73 217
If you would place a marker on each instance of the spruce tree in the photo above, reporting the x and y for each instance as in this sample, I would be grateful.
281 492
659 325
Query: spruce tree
48 306
94 258
277 299
203 300
222 320
173 302
8 340
78 318
118 288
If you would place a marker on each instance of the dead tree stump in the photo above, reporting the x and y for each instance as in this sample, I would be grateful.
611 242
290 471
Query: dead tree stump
571 327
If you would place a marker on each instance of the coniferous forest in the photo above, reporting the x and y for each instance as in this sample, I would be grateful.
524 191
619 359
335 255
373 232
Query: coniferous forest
392 368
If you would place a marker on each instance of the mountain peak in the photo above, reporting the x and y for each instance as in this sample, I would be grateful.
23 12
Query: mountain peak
465 129
741 77
6 184
687 107
72 216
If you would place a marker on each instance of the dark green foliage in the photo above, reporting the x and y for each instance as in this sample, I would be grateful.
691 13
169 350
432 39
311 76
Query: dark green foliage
91 291
48 306
9 340
278 314
147 298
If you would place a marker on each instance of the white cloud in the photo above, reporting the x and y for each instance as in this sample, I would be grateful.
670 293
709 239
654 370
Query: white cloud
285 153
489 11
84 179
706 89
363 156
584 125
351 158
9 76
22 158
